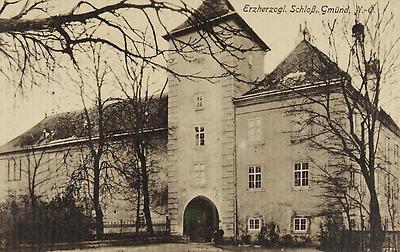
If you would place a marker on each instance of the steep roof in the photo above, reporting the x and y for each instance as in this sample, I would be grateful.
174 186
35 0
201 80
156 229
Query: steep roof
71 125
62 126
208 10
214 11
306 64
387 120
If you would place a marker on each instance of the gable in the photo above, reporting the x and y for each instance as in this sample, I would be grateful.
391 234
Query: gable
214 12
306 64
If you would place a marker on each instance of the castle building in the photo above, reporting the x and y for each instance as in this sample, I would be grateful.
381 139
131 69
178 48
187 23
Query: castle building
201 147
46 159
237 160
236 155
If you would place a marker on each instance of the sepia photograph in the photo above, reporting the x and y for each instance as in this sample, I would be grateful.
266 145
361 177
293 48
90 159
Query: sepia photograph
200 125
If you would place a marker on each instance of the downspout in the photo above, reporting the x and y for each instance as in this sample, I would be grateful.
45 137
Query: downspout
235 176
235 225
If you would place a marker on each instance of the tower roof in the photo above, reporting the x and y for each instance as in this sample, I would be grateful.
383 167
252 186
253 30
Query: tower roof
208 10
306 64
214 11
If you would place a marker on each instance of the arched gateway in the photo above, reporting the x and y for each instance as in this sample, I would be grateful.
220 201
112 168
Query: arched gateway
200 219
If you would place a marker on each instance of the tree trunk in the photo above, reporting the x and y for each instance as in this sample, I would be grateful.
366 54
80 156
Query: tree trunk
377 236
34 230
96 200
349 239
146 196
138 224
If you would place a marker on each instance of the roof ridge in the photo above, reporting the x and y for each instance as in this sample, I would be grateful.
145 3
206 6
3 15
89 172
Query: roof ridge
68 124
208 10
306 63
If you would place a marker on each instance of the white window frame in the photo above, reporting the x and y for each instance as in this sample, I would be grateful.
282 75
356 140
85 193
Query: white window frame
254 177
199 174
199 101
300 224
200 135
299 174
254 224
254 130
14 169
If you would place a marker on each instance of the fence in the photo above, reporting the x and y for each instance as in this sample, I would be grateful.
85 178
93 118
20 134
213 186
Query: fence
133 227
391 240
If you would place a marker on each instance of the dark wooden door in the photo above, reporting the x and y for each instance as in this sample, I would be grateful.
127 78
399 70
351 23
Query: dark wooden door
200 220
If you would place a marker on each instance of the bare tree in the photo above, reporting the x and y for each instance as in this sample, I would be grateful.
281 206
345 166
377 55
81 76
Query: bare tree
93 169
344 118
40 168
145 121
128 168
39 171
34 34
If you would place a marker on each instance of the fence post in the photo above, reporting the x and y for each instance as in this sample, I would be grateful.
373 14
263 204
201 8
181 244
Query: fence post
121 227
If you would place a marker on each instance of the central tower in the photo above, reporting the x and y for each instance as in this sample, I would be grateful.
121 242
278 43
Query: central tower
220 55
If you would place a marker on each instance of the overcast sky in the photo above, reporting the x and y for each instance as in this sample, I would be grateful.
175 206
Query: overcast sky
19 112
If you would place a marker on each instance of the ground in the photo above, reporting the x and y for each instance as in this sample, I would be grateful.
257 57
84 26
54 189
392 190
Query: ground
190 247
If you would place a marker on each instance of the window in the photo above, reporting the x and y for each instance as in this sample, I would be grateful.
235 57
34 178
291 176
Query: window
199 60
302 127
199 135
386 224
388 183
14 170
301 174
254 130
199 174
353 223
300 224
396 153
254 224
254 177
377 181
199 101
250 60
387 149
356 123
352 178
396 188
362 185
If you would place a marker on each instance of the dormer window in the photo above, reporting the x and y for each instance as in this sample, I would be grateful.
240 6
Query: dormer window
46 133
86 125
